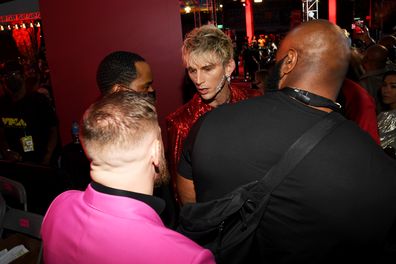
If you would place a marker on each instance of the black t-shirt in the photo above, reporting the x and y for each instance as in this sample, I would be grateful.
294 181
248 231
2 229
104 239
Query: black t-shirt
337 204
31 116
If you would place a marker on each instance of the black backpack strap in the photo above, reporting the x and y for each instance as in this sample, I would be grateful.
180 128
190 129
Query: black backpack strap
300 148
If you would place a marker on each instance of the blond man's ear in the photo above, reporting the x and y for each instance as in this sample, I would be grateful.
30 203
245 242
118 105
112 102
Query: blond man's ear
157 148
230 67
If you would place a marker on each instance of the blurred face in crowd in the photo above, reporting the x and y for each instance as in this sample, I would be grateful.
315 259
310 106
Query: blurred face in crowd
388 91
144 80
208 74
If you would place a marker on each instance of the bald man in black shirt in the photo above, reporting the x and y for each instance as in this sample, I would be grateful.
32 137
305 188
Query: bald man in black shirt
339 203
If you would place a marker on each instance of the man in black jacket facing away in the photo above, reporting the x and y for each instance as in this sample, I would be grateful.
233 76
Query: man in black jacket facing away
339 203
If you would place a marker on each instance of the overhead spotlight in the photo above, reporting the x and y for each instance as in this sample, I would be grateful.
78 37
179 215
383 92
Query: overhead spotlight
258 1
187 9
221 6
244 4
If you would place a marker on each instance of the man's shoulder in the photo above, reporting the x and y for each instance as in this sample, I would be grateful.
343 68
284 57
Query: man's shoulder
349 138
61 206
65 197
374 74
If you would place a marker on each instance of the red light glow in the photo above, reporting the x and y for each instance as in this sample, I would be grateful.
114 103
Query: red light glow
333 11
249 19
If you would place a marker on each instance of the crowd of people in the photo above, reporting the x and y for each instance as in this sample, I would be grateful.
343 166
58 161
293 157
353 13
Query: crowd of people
258 54
29 124
338 205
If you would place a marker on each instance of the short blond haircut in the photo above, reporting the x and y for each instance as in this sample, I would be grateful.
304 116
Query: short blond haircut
118 121
207 39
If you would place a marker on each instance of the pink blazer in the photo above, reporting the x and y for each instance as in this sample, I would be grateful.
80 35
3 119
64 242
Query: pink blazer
94 227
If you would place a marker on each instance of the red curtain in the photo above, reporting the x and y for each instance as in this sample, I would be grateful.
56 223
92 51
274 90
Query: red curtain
28 42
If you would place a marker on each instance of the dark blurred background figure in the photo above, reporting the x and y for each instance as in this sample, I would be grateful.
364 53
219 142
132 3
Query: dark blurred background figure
235 73
357 104
73 163
374 65
389 42
260 78
29 125
361 37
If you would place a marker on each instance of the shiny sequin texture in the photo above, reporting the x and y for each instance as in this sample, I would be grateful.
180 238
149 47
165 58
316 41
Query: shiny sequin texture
387 128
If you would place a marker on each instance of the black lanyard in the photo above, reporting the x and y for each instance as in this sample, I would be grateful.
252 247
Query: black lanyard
311 99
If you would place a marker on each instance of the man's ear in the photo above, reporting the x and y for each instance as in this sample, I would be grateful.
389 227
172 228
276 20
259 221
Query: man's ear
116 88
230 67
290 61
156 152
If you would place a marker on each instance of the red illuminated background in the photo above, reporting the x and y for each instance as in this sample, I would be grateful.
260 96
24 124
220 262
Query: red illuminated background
78 34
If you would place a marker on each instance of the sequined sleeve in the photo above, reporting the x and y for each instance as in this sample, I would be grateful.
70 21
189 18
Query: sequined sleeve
174 141
387 128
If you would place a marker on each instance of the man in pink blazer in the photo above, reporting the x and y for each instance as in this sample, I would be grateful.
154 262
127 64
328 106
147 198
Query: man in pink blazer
116 219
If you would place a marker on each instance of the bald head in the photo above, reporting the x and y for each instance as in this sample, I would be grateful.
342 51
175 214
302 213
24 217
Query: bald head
375 57
315 57
389 42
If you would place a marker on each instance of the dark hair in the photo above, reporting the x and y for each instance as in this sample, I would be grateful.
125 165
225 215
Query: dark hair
385 107
390 72
117 68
